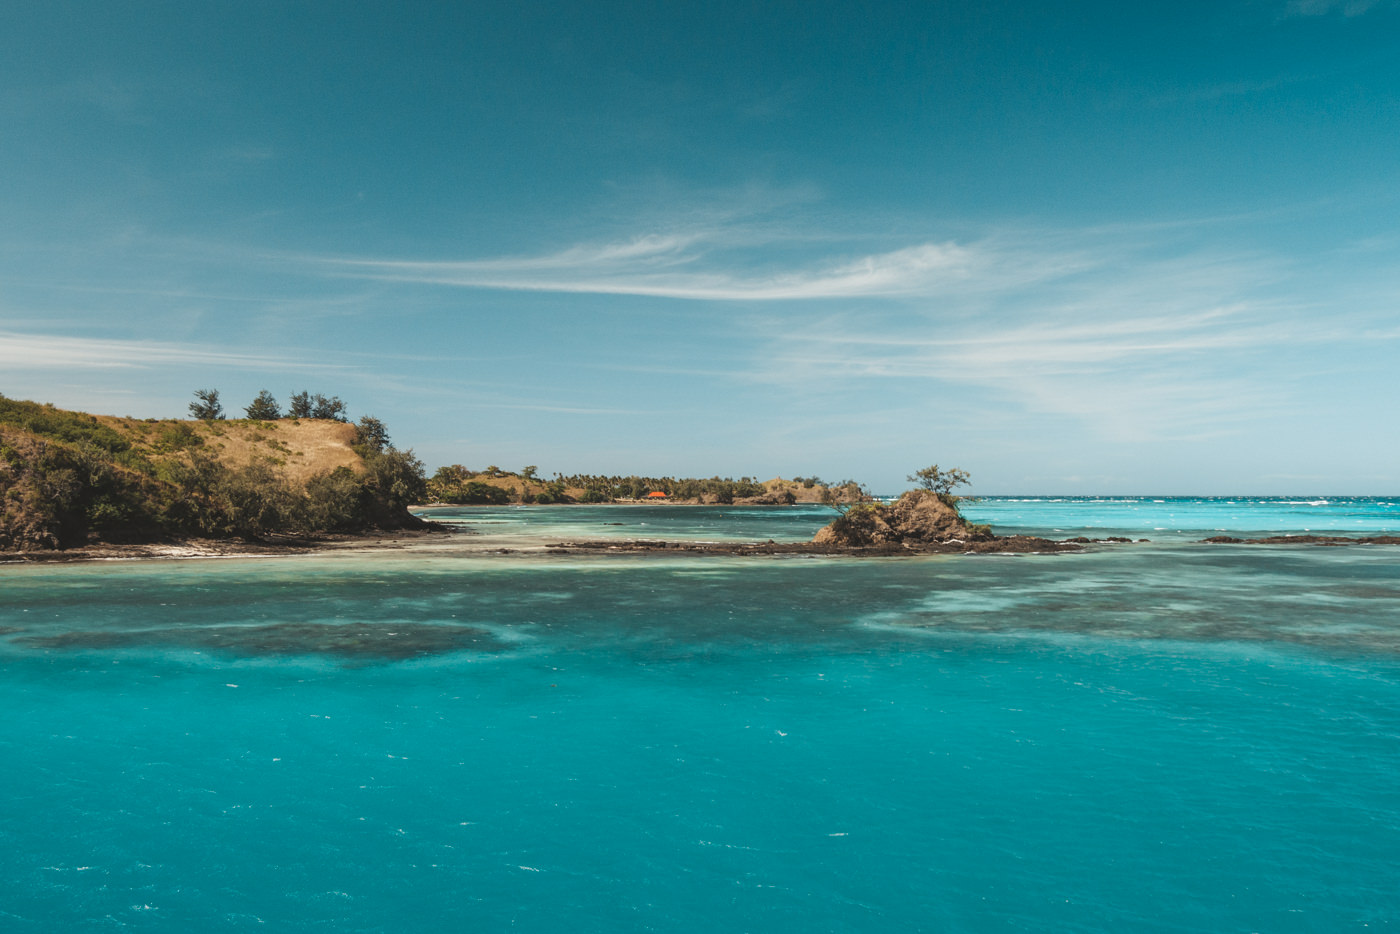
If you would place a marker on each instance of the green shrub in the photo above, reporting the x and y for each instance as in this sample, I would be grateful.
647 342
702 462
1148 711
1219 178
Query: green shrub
395 478
177 436
334 502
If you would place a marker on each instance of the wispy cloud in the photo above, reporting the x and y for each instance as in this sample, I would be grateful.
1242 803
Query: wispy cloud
685 266
1163 330
1324 7
1141 332
1132 345
1225 90
20 351
562 409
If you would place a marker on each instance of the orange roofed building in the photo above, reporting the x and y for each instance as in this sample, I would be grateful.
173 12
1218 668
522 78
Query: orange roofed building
656 494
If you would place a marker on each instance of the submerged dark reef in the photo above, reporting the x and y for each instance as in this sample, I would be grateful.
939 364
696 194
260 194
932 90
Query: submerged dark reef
357 642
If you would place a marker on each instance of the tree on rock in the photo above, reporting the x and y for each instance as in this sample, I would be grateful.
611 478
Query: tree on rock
264 408
844 495
206 406
941 483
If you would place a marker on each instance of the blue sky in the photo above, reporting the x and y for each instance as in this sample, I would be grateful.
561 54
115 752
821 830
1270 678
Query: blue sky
1070 247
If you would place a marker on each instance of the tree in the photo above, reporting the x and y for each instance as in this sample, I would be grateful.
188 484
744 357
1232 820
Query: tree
334 501
332 408
305 405
845 495
264 408
371 433
528 473
301 405
395 478
206 406
941 483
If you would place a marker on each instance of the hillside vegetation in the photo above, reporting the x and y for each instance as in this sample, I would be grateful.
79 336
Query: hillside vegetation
68 478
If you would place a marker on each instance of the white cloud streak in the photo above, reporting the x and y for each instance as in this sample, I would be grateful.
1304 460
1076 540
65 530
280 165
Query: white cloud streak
561 409
1141 333
1138 332
20 351
1323 7
680 266
1135 348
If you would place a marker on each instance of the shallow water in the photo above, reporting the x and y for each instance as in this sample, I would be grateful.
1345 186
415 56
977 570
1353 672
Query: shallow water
1184 517
1160 737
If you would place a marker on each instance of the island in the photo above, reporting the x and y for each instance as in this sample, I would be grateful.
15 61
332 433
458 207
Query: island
72 481
75 485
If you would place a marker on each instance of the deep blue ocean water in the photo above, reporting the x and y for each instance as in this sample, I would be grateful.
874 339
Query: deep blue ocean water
1151 737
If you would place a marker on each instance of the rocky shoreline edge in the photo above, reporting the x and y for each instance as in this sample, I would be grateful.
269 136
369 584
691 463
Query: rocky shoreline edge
269 547
1303 540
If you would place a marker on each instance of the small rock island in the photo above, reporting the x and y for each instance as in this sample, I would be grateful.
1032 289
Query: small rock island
920 522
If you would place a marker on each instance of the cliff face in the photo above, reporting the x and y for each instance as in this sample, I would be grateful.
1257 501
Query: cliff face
916 518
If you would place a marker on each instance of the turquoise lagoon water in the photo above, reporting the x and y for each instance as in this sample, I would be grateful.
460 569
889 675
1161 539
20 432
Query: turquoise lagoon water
1179 518
1154 737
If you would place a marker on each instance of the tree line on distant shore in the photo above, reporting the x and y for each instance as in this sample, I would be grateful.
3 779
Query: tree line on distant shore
460 485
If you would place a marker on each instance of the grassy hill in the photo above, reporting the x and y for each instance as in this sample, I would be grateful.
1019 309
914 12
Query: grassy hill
68 478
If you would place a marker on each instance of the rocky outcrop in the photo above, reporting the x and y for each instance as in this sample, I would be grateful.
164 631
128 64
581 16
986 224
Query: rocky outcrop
916 519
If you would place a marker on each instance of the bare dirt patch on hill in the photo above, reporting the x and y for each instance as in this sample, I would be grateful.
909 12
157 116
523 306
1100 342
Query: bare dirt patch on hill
295 449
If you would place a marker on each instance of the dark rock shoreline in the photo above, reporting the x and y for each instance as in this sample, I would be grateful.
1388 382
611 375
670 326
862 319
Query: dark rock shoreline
1303 540
273 545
